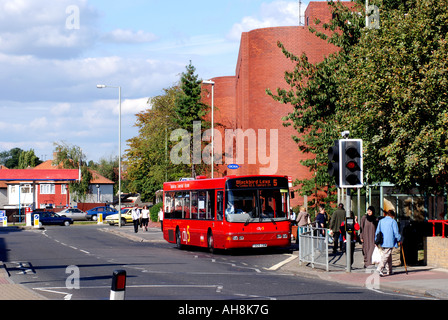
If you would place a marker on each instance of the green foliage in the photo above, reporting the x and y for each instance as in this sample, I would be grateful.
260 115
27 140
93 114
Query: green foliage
71 157
148 164
148 157
397 93
28 159
154 211
10 159
387 86
188 104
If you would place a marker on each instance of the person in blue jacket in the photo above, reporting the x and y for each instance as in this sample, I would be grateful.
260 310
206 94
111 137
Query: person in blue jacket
391 239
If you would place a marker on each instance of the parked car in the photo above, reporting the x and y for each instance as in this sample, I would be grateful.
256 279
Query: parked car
51 218
93 213
126 217
74 213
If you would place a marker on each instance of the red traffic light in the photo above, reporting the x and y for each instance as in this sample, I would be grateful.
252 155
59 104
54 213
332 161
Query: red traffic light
351 165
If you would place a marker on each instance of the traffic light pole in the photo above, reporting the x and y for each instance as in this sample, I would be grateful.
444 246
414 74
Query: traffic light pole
348 236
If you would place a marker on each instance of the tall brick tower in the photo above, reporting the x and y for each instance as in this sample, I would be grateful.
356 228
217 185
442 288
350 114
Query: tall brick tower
241 101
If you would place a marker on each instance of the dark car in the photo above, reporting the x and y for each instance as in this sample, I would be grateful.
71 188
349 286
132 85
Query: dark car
51 218
93 213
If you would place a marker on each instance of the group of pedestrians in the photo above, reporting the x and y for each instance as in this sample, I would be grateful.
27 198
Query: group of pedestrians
140 218
374 232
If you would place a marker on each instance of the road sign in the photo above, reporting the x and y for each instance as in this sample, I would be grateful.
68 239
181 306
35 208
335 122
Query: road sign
36 220
3 218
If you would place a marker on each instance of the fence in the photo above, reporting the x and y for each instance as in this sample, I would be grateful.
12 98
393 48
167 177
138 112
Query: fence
443 223
313 246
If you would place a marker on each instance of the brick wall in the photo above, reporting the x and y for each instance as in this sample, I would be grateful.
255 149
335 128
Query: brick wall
436 253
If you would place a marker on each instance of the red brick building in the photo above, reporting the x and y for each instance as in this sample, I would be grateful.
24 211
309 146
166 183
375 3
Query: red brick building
241 101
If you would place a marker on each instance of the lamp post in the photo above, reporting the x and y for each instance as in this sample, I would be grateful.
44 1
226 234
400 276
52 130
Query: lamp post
102 86
213 133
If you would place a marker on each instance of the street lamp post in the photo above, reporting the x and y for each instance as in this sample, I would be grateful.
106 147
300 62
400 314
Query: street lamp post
102 86
213 111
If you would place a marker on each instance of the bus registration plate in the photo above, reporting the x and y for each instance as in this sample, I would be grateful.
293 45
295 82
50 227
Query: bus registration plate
259 245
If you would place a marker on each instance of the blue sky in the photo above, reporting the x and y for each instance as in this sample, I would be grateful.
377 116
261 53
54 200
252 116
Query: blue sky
54 53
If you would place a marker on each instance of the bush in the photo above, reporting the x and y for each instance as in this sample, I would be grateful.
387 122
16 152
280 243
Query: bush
154 211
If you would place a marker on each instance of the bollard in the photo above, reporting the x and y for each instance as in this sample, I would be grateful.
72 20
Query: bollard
118 289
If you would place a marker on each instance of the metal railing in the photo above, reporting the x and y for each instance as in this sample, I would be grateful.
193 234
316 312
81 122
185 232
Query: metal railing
434 222
313 246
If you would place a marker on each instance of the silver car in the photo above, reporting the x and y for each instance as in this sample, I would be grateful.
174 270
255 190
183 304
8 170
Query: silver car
74 213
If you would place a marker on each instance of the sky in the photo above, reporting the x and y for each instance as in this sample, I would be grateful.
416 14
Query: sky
53 54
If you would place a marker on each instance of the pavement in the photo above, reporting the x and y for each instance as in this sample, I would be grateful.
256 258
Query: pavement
421 281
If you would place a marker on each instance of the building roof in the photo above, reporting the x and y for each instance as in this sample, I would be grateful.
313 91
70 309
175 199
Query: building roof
96 177
99 179
39 174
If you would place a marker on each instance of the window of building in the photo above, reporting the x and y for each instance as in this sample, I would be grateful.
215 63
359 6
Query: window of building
47 189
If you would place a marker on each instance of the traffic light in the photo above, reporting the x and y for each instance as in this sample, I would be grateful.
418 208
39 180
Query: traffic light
333 165
351 163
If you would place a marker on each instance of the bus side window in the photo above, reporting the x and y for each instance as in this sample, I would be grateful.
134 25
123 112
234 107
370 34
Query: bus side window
169 204
211 204
178 206
219 205
194 205
186 204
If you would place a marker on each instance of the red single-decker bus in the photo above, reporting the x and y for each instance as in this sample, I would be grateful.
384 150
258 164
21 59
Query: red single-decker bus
228 212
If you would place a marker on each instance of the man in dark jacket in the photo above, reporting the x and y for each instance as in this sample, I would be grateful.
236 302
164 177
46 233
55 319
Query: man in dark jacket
337 218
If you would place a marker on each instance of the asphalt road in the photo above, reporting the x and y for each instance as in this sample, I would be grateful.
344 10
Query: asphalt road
77 262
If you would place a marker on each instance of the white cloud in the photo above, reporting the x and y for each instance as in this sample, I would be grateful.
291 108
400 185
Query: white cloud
129 36
273 14
30 27
41 122
60 109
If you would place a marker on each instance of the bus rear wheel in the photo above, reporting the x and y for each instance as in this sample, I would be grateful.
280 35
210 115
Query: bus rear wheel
178 239
210 242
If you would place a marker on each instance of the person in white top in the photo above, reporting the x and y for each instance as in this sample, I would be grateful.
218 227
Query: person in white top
135 217
161 218
145 217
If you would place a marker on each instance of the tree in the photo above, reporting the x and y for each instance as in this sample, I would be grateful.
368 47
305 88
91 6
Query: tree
71 157
28 159
397 94
147 158
190 109
387 86
10 159
315 96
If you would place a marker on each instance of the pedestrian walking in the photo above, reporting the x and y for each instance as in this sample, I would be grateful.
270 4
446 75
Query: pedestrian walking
369 223
321 220
160 218
391 239
303 220
135 213
336 220
145 217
